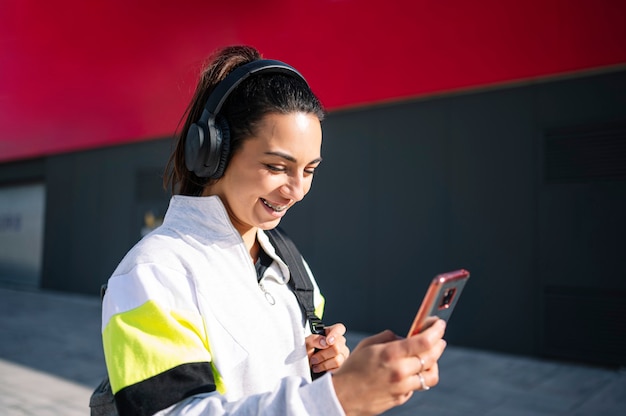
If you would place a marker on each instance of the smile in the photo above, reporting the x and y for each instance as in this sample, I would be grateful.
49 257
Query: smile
276 208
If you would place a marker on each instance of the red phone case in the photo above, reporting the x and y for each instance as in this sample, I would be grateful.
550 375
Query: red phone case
440 299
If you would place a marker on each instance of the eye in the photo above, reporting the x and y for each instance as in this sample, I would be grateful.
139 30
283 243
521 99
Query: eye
310 170
275 168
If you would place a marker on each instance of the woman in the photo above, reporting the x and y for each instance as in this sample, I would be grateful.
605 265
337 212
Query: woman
198 318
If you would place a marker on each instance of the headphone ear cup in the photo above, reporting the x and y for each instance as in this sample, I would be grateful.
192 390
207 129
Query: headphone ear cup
193 144
203 148
223 131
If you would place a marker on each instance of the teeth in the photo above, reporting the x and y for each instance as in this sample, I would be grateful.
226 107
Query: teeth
274 207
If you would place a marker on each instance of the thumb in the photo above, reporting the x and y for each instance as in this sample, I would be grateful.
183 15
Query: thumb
380 338
316 342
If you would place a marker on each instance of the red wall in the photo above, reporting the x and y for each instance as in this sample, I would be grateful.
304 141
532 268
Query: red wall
77 74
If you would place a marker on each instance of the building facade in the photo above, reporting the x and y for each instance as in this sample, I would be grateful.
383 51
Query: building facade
519 178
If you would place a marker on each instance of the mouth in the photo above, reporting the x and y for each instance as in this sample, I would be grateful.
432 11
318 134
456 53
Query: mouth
277 208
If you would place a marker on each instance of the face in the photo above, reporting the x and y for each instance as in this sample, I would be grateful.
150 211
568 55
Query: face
271 171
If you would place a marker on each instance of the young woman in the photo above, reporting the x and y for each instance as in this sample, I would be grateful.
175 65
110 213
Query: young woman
198 318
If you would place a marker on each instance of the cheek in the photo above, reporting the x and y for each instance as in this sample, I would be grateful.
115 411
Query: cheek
307 186
244 181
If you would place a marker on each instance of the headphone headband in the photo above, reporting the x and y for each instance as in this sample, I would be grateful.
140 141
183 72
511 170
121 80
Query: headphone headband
238 75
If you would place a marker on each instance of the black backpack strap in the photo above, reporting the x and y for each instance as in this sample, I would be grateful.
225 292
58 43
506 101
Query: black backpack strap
300 281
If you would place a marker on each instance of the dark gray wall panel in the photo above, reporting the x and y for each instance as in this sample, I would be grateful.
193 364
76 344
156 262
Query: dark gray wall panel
92 215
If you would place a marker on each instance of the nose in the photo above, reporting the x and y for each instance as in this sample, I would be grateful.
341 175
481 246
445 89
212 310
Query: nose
295 188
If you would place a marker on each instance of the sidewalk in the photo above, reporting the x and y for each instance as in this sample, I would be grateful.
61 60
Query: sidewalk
51 359
50 353
25 391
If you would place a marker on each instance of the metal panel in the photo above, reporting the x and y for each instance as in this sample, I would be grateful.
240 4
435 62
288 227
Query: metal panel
586 153
586 324
21 234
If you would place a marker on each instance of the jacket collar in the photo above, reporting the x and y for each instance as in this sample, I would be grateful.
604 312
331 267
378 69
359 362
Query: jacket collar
206 218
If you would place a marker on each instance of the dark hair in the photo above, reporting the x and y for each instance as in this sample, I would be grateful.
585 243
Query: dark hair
244 108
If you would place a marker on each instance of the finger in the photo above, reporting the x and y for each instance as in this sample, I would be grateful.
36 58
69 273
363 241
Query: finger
431 376
424 380
423 385
424 361
339 348
418 363
333 332
436 330
329 364
321 355
380 338
322 341
314 342
419 344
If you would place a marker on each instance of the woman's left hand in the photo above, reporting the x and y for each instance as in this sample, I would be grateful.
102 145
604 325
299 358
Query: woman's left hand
332 350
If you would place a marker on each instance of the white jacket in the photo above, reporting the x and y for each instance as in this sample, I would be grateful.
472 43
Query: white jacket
187 329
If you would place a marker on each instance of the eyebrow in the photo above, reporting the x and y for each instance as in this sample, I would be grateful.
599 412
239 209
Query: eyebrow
290 158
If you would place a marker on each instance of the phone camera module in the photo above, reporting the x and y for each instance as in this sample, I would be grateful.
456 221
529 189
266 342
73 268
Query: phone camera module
447 297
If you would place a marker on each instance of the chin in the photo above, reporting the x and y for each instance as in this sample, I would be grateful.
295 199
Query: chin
268 225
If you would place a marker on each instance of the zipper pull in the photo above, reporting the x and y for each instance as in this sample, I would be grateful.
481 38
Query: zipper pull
268 296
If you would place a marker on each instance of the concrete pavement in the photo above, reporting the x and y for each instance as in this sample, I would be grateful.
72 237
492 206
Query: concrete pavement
51 359
26 391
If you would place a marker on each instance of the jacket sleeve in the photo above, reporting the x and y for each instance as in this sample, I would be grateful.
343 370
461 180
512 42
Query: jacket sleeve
294 396
159 358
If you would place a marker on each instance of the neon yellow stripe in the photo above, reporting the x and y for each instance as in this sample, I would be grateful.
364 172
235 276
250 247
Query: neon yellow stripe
148 340
319 309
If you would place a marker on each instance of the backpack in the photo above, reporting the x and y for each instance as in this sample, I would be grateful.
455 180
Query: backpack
102 402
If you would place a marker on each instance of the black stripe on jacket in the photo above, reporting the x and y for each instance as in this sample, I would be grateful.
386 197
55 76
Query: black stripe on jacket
163 390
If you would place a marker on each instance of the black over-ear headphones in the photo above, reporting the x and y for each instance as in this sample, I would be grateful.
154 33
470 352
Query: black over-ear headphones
207 144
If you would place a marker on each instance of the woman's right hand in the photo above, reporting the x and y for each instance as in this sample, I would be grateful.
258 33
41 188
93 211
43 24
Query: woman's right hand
384 370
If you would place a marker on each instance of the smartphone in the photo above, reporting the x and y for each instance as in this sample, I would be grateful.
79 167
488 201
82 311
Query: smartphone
440 299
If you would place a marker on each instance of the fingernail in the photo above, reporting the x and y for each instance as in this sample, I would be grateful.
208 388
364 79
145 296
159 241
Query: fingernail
331 340
323 342
314 360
